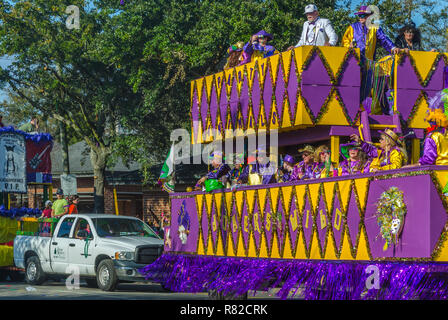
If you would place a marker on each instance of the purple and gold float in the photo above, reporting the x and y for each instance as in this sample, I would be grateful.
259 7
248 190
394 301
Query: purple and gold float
316 237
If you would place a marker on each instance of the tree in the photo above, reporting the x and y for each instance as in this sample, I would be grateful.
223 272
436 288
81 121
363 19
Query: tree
61 73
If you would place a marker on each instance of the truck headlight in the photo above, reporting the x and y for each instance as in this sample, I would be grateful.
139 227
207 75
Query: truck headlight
124 255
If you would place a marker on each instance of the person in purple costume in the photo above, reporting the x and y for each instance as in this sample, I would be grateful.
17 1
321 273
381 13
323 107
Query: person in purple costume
365 37
258 47
262 168
284 174
355 160
239 175
306 168
219 171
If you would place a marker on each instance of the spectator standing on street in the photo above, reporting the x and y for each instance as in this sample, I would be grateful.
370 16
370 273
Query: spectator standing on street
73 204
60 206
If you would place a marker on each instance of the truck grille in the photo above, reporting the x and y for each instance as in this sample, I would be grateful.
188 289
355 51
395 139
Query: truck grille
148 254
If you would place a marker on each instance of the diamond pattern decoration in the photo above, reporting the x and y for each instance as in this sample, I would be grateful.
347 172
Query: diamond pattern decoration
258 85
353 219
312 222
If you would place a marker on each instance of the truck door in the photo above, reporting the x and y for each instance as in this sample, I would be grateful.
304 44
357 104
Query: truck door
81 247
59 246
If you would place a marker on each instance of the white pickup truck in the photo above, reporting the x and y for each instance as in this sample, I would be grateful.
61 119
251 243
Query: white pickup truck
104 248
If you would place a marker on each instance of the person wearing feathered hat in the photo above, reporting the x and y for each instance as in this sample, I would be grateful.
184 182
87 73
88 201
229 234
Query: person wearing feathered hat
306 168
391 154
236 55
435 146
239 174
355 160
284 174
214 178
365 37
258 47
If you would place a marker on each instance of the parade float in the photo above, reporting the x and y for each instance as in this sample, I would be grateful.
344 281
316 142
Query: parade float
317 239
24 163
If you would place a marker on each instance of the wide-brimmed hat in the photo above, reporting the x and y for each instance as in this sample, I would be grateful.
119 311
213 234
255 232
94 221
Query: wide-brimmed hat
264 34
364 10
392 135
289 159
307 148
345 148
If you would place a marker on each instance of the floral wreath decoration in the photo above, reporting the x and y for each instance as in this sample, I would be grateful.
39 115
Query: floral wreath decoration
390 215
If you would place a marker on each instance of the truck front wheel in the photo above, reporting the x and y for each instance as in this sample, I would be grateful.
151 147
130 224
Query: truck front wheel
106 276
33 271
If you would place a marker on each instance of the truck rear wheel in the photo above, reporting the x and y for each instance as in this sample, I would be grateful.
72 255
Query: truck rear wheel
106 276
33 271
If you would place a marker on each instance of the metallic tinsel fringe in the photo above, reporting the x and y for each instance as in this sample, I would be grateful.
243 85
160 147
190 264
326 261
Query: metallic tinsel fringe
310 280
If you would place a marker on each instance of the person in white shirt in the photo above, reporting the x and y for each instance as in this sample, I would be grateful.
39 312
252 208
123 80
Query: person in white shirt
316 31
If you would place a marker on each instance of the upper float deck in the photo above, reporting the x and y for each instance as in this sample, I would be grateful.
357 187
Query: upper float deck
309 87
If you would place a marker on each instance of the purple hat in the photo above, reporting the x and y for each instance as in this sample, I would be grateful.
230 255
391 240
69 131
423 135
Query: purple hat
264 34
289 159
364 10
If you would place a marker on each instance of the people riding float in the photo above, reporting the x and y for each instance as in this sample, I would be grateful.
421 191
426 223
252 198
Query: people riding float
323 168
355 160
435 145
239 175
216 178
284 174
236 56
390 155
360 35
258 47
305 169
316 31
409 38
261 170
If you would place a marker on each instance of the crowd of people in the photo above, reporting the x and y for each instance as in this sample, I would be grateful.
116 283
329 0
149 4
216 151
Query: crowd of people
319 31
358 157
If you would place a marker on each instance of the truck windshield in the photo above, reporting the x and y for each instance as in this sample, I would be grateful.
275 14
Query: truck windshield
118 227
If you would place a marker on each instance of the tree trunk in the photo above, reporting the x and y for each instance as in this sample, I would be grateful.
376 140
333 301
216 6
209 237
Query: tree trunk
98 157
64 145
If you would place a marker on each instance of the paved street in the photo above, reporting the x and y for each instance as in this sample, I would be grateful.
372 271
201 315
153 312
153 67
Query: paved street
54 290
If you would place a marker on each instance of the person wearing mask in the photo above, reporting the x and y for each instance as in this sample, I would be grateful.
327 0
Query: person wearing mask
60 206
258 47
391 154
306 168
239 175
355 160
217 177
316 31
435 145
359 35
324 168
261 170
284 174
235 53
409 38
